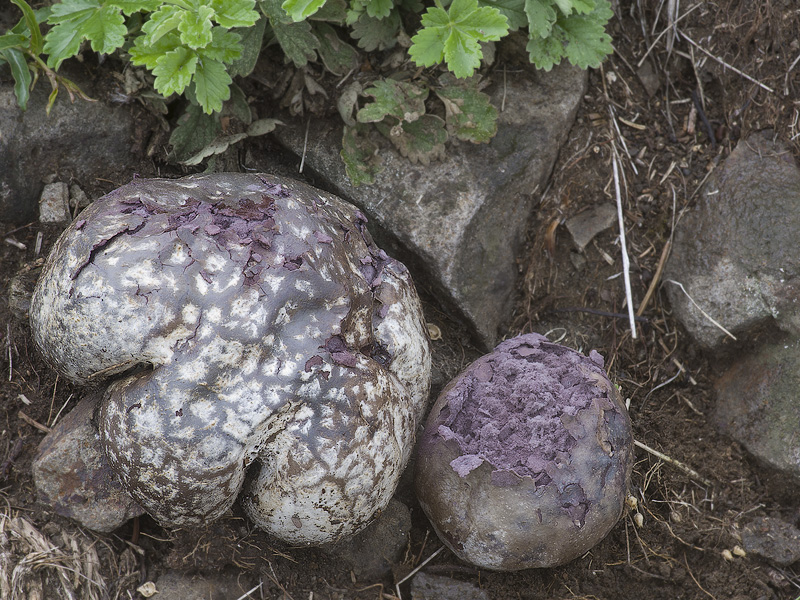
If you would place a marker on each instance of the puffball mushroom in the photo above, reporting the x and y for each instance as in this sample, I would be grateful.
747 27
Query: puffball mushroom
256 341
526 456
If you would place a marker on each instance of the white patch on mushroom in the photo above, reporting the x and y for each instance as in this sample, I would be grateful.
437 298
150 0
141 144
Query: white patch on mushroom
201 284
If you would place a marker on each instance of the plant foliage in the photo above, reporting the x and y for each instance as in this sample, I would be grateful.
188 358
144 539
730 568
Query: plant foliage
195 48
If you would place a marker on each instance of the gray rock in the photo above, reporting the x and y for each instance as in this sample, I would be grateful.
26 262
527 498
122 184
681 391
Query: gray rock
758 406
584 226
772 539
54 203
434 587
177 586
735 253
371 553
81 139
74 477
459 222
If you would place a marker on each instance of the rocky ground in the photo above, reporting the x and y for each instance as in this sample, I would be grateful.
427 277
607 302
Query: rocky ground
668 107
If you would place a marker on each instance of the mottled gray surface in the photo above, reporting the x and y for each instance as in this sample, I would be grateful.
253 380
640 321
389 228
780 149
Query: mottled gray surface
81 139
434 587
758 405
526 457
735 253
461 221
772 539
244 320
73 476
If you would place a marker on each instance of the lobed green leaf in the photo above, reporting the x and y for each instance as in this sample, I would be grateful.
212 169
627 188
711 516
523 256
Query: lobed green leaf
147 54
235 13
300 10
379 9
453 35
399 99
195 27
174 70
376 34
470 115
211 84
541 17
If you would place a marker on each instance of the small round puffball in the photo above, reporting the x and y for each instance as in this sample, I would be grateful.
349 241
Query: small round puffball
526 457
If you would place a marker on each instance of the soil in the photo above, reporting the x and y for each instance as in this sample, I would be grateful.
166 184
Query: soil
669 104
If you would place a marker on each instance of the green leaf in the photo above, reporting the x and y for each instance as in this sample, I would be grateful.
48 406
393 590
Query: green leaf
251 41
547 52
194 131
421 141
195 27
300 10
376 34
541 17
333 11
174 71
212 84
580 37
144 53
587 41
470 115
453 35
338 57
162 22
236 106
513 10
21 73
297 41
398 99
235 13
225 45
567 7
379 9
78 20
13 40
133 6
32 24
359 155
106 30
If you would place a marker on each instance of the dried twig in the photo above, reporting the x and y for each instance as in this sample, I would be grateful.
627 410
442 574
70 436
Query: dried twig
416 570
626 267
675 463
726 65
33 423
697 306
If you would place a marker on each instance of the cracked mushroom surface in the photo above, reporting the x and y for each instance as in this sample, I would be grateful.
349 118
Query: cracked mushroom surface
255 341
526 457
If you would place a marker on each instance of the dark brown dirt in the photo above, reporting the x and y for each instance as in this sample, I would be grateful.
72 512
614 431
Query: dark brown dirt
670 128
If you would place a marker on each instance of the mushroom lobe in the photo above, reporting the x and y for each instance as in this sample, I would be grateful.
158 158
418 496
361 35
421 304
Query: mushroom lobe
245 346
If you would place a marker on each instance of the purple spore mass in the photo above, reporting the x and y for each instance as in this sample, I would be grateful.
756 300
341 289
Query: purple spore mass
516 408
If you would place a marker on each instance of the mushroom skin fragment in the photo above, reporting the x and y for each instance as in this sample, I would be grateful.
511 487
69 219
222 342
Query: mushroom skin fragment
526 457
255 340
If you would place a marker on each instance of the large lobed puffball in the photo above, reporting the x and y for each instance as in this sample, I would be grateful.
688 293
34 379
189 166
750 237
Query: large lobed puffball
252 338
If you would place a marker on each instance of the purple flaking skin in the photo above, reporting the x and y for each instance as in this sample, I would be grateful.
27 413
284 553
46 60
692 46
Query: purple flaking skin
526 456
514 407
